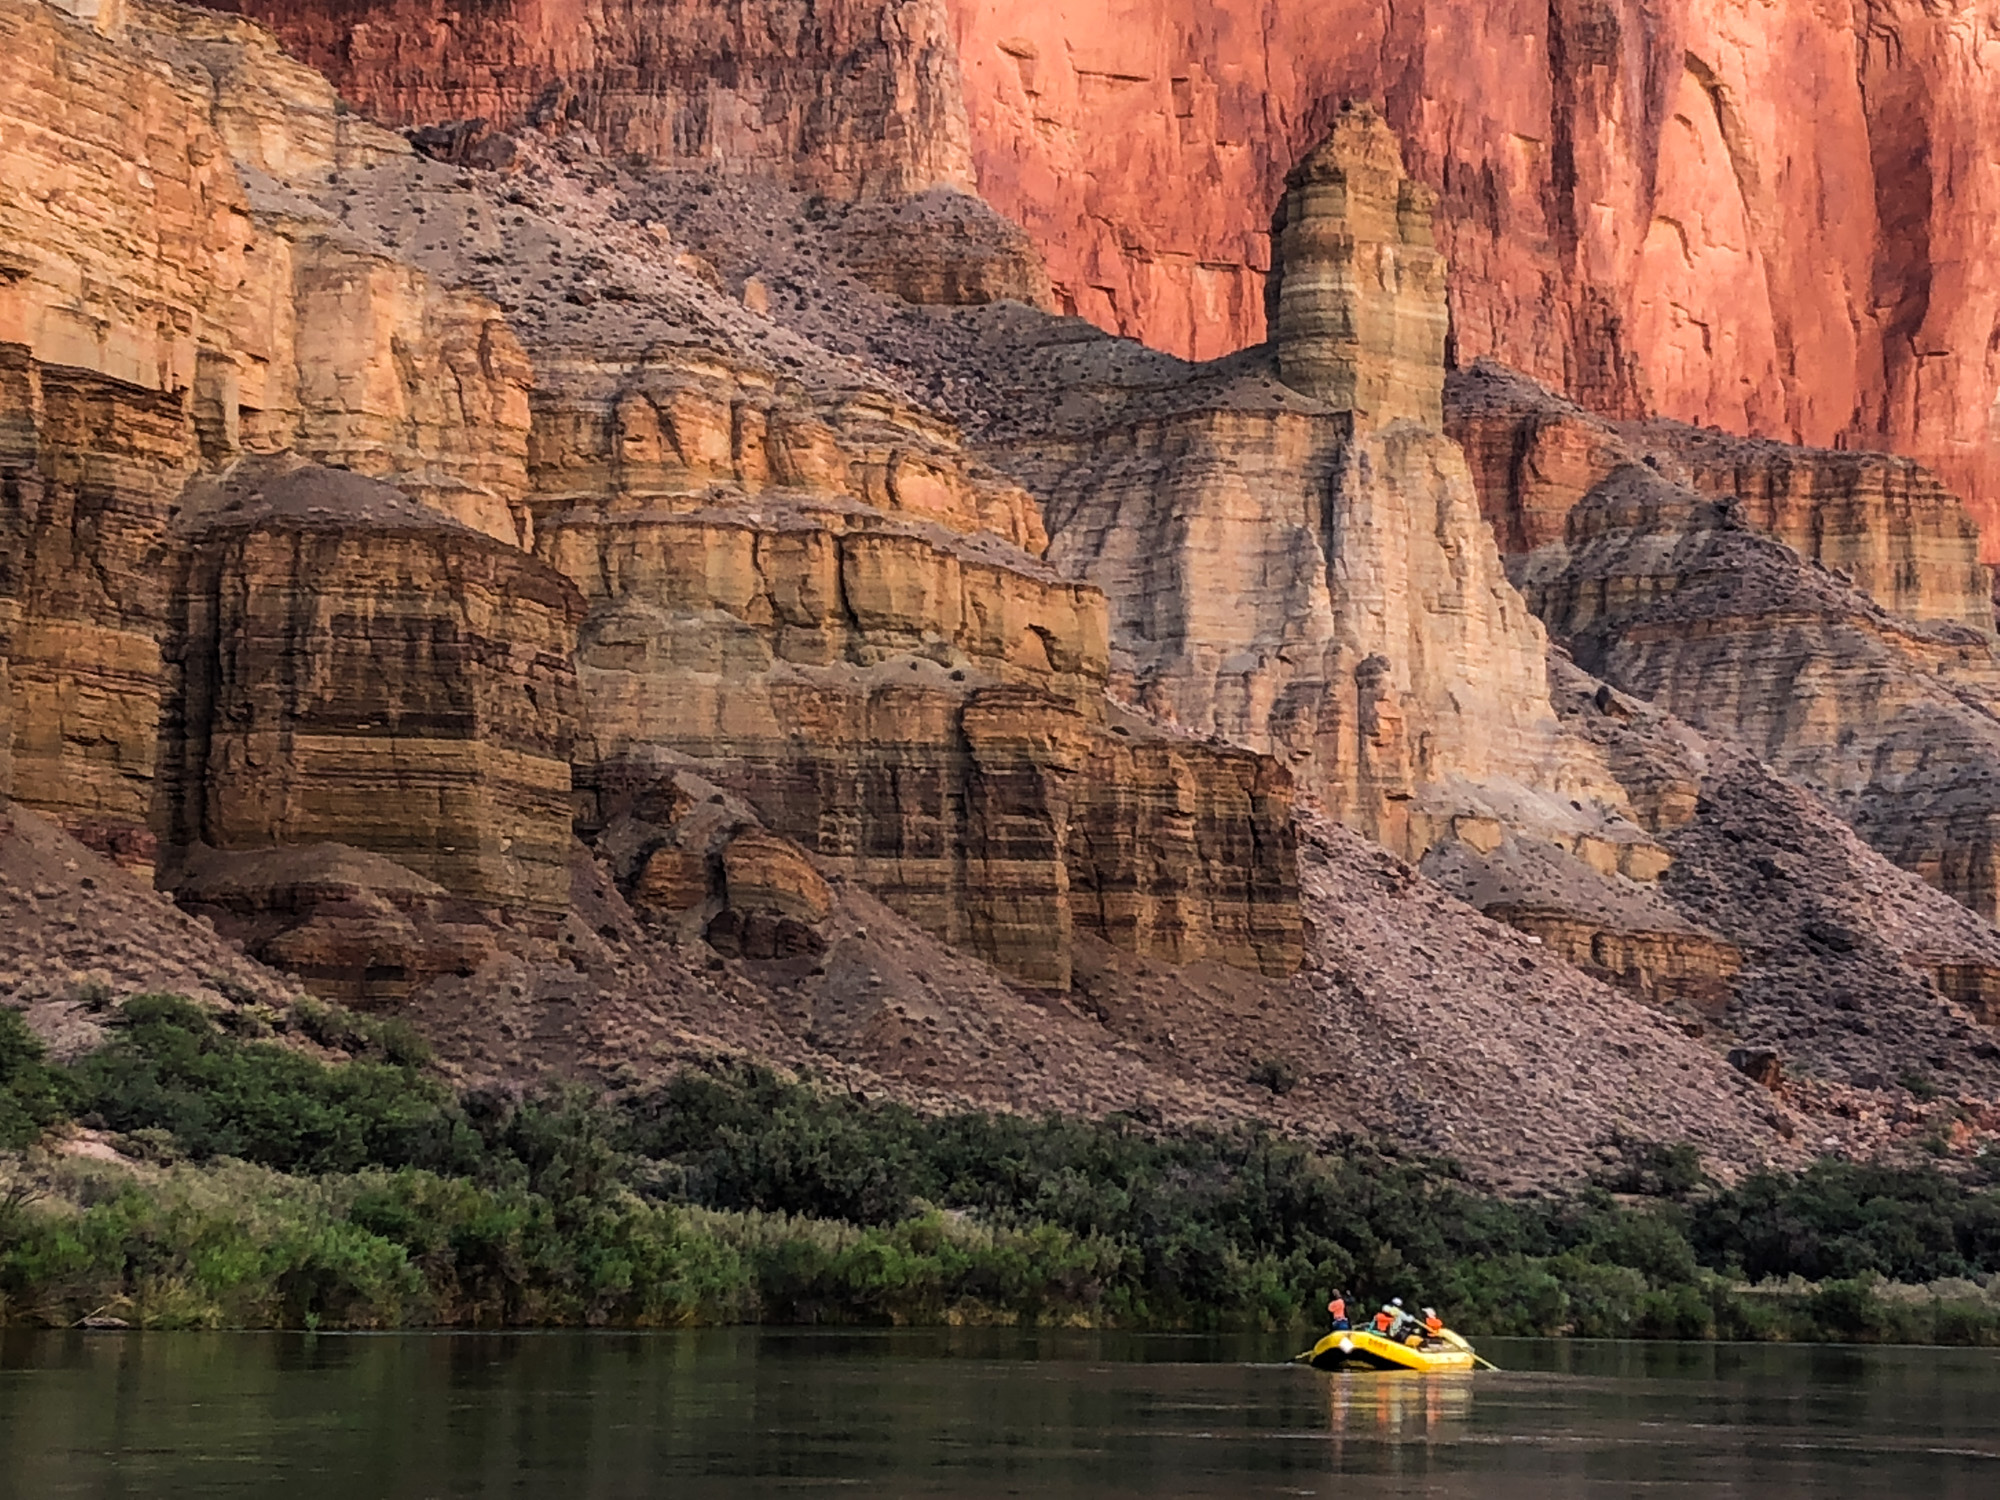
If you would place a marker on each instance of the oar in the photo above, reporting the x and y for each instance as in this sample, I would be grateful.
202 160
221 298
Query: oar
1451 1338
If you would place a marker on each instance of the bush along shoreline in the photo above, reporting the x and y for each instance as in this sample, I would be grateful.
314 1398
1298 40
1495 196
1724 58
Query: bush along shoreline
255 1185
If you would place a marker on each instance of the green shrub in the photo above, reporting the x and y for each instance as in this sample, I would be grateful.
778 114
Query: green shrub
364 1194
1842 1220
31 1093
170 1067
389 1038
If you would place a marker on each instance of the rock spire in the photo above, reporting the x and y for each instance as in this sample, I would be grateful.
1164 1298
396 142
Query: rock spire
1356 299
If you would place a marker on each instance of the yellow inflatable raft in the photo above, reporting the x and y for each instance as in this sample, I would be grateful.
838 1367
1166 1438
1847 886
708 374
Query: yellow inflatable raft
1364 1349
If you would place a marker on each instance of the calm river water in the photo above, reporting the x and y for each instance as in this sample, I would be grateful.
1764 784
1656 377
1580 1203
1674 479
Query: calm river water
971 1414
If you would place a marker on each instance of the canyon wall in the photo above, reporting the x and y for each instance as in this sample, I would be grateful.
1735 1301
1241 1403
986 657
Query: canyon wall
858 98
1827 609
1886 524
1766 216
143 238
1293 550
1666 594
635 529
347 666
838 623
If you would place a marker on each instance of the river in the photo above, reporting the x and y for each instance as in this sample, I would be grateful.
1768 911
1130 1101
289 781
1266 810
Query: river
971 1413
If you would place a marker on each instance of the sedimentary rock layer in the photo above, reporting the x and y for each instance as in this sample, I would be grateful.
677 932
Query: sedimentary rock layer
87 483
1765 216
859 98
1886 524
1850 969
349 925
792 568
926 719
1666 594
347 666
143 238
1356 292
1297 563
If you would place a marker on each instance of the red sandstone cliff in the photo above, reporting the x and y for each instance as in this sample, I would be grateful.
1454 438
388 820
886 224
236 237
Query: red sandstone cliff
857 98
1769 215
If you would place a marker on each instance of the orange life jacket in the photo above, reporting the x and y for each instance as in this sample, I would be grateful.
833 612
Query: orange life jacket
1434 1325
1382 1320
1338 1307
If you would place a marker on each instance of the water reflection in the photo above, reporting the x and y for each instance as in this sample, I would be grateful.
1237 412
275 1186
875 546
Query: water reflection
1399 1407
971 1414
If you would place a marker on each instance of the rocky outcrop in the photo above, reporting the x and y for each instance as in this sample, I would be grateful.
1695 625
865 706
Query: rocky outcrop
1851 970
1665 594
93 467
1357 289
925 713
801 586
794 574
1621 931
347 924
347 666
1885 524
939 248
1888 525
1293 551
1534 454
1765 217
859 98
133 172
311 340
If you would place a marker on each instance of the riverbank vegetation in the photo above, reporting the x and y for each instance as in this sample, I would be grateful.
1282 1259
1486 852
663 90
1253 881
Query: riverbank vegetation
253 1184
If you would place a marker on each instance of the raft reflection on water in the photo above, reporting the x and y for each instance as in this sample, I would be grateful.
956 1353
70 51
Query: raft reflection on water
1398 1405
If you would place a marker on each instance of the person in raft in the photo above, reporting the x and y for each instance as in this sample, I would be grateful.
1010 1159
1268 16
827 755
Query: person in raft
1337 1310
1393 1322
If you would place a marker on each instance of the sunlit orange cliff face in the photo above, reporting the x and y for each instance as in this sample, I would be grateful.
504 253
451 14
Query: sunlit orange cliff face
1773 216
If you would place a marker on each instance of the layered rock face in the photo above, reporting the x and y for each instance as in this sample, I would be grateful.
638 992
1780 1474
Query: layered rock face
922 708
1886 524
1763 216
1357 289
1665 593
146 241
171 687
86 486
348 666
800 585
1630 191
859 98
1308 575
790 573
1826 609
